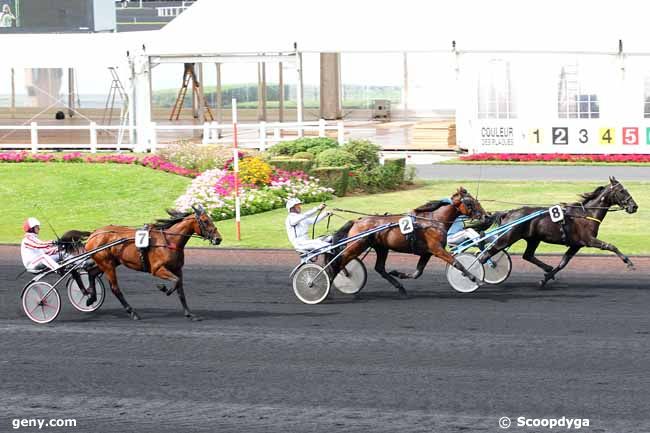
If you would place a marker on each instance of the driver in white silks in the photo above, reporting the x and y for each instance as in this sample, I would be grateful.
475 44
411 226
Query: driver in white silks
461 229
37 254
297 225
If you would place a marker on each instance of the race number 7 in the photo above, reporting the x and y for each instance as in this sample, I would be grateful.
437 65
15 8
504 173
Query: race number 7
406 225
142 238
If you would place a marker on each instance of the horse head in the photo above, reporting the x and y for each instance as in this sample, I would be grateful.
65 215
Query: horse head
616 194
204 226
468 205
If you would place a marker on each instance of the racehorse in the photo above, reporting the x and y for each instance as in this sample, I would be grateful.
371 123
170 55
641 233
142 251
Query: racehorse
582 221
164 258
429 238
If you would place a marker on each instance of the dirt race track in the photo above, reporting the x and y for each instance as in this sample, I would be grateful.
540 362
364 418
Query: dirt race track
439 361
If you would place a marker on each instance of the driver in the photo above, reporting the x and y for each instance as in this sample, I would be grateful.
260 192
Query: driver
462 228
297 225
37 254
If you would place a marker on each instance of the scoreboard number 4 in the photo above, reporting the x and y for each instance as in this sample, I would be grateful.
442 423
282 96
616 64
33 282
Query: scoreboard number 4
607 136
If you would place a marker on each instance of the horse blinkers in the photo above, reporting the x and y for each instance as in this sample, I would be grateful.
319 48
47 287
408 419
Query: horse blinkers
211 235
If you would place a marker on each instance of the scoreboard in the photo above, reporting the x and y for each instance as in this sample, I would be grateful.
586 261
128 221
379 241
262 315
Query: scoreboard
62 16
590 136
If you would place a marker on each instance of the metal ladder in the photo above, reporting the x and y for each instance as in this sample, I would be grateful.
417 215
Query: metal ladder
190 75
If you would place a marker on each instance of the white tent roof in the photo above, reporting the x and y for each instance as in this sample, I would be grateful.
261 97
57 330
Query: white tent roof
71 50
215 26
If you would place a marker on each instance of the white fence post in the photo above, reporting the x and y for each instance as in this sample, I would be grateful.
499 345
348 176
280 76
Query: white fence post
277 136
34 134
321 127
206 133
340 132
93 137
262 136
154 137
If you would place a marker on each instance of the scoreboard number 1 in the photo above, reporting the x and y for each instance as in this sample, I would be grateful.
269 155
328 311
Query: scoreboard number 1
535 136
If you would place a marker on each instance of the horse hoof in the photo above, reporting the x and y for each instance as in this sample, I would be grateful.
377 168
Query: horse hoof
162 288
90 301
403 295
134 316
193 317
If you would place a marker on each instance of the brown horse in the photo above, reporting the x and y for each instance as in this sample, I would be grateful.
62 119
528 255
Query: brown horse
582 221
164 257
430 237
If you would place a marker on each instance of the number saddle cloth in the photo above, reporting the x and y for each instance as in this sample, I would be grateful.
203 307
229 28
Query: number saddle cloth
144 256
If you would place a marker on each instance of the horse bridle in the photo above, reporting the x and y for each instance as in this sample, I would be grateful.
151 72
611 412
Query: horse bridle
615 192
198 212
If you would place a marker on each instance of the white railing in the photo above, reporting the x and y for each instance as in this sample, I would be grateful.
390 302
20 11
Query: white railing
250 135
172 11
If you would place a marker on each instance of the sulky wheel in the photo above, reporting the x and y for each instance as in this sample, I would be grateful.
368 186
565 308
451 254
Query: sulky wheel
351 279
78 297
459 281
497 268
41 302
311 283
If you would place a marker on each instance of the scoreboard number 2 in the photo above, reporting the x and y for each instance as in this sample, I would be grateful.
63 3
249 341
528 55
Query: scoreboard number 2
560 135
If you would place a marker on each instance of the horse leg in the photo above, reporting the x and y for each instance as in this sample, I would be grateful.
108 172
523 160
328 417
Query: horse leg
597 243
419 269
436 249
380 267
550 275
92 290
111 275
177 279
529 255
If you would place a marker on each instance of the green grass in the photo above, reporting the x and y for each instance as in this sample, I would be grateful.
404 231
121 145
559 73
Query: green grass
84 196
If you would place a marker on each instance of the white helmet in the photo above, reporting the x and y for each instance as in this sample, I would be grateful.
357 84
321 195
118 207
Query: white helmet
292 202
30 223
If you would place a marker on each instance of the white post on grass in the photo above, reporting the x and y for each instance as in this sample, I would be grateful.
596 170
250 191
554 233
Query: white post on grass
236 169
262 136
93 137
206 133
154 137
340 132
34 135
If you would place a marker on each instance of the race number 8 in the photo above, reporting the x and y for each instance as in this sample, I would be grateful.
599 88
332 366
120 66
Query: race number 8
406 225
556 212
142 238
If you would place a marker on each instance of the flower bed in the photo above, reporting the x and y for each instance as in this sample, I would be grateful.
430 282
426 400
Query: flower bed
557 157
214 189
150 161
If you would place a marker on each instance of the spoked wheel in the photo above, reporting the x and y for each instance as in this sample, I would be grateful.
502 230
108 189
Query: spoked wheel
78 297
311 283
497 268
459 281
351 279
41 302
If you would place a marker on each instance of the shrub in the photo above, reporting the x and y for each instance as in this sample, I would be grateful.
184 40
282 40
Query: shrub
254 171
382 177
313 145
290 164
336 158
366 152
336 178
304 155
199 157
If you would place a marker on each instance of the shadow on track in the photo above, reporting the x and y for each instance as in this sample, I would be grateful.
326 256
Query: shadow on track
206 315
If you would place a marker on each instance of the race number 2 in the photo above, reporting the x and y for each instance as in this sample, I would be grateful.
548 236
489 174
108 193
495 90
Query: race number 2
406 225
142 238
556 213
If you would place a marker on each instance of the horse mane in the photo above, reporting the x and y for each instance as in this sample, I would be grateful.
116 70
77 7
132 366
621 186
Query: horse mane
591 195
72 241
431 206
175 217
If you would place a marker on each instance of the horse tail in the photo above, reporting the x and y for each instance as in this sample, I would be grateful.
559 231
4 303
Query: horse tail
73 241
342 233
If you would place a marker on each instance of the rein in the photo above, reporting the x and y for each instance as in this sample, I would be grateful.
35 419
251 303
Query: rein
579 206
393 215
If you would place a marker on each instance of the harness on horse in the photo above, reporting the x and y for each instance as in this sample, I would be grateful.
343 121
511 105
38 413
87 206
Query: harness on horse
411 237
143 251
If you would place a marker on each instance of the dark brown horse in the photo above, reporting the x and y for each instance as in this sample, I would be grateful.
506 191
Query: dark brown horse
164 257
432 222
582 221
